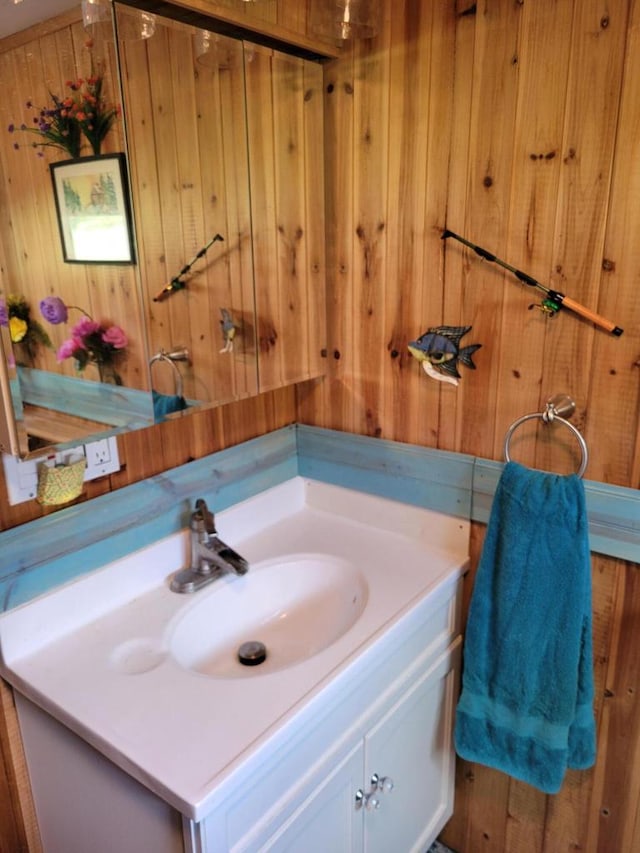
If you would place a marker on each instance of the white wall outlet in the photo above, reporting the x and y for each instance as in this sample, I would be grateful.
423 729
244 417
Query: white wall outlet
102 458
21 475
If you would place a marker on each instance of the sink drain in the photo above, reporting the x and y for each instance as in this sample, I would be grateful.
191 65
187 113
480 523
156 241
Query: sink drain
252 653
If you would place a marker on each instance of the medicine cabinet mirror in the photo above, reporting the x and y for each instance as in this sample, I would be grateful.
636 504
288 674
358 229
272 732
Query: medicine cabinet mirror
224 165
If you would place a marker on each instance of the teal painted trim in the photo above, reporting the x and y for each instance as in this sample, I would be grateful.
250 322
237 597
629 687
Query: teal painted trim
112 405
614 511
433 479
16 399
52 550
453 483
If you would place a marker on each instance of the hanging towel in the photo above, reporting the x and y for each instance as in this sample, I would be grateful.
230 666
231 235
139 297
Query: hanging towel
526 706
165 404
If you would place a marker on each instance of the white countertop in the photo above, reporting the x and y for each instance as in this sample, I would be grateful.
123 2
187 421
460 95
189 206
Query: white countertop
95 653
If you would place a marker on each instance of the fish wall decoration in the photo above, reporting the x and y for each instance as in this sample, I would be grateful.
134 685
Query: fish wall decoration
438 351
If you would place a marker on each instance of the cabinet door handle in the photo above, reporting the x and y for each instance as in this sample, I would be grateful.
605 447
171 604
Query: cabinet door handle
384 784
371 803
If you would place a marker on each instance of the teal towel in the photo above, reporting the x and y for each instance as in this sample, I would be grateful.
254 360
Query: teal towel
165 404
526 706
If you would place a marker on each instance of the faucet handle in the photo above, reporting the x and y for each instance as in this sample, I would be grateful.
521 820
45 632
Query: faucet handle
202 513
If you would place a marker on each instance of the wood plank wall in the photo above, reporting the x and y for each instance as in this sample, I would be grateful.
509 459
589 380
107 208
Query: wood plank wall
33 266
514 123
188 157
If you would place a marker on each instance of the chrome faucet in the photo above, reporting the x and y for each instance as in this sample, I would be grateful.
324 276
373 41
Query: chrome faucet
210 556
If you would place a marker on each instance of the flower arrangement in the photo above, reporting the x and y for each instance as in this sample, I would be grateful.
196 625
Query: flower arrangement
56 125
15 313
83 113
91 111
90 342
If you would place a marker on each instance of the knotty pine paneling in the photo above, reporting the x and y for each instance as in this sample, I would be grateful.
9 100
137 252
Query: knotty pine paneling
30 69
515 125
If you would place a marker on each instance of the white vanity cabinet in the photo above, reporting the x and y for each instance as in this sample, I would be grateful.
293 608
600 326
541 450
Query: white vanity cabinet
376 775
315 792
132 747
356 807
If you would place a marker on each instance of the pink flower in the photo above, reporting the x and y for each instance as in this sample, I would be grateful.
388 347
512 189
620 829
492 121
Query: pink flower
115 337
85 326
68 348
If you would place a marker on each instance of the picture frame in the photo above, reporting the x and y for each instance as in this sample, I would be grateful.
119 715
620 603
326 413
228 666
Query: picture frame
93 209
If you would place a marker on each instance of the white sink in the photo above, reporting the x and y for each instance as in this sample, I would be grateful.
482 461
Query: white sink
150 677
294 607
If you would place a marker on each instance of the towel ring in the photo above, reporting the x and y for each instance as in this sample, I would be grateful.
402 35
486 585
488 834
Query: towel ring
170 358
556 405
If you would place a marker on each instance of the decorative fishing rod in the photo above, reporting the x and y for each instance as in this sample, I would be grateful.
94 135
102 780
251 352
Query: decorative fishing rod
176 282
554 300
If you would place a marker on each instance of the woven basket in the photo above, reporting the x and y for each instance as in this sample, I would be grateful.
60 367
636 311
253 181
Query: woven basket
61 483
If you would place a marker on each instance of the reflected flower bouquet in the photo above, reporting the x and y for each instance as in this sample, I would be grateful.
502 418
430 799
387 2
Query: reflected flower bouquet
56 126
82 112
90 342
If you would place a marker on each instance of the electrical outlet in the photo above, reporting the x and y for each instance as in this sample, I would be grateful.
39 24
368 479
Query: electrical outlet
98 452
102 458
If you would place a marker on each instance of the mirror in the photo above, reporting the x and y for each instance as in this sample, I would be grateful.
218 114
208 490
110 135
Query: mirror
225 138
184 108
223 143
62 392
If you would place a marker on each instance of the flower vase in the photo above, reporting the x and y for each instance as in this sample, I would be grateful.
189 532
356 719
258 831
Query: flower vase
108 374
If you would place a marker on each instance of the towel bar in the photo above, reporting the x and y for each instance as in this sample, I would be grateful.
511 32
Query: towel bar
555 408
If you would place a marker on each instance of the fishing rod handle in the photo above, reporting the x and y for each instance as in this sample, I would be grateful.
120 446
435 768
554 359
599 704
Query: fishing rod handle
577 308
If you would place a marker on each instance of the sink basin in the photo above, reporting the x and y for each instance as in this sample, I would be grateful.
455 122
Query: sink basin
295 607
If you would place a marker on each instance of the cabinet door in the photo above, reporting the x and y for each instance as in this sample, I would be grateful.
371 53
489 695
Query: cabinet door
327 820
412 747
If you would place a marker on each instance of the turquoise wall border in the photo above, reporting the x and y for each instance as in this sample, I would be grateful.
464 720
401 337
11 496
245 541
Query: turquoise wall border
433 479
42 554
112 405
52 550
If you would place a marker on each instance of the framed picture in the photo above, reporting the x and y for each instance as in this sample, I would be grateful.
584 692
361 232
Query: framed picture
94 213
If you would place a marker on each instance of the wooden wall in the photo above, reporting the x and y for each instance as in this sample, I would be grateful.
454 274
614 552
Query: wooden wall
31 67
514 123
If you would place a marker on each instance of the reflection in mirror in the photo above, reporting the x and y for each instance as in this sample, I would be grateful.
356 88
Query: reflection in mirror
183 95
286 165
226 137
222 138
79 366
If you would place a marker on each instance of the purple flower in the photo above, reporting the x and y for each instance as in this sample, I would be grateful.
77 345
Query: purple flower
4 313
54 310
11 127
115 337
